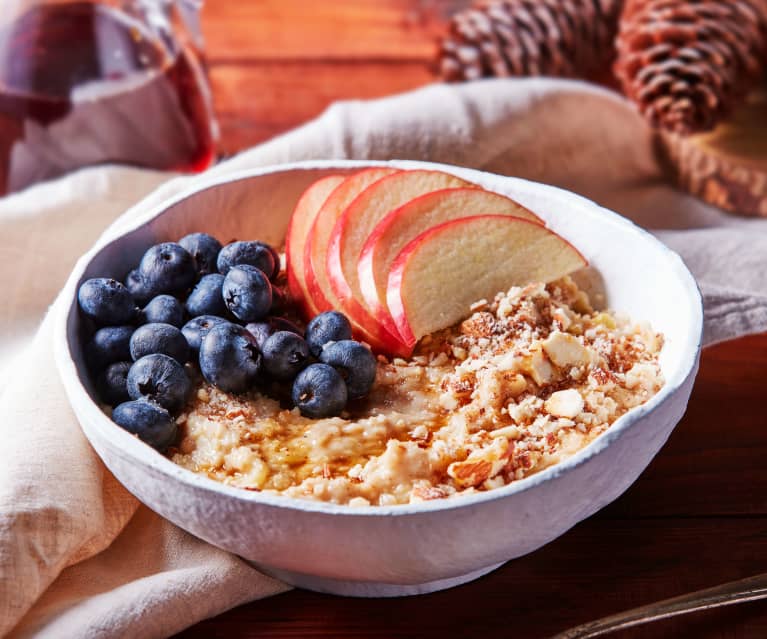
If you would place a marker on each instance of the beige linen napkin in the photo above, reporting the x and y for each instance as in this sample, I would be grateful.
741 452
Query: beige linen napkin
78 556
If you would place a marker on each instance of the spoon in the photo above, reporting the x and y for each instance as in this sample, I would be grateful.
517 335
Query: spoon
732 592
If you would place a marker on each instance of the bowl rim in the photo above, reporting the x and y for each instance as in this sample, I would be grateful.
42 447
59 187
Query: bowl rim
130 447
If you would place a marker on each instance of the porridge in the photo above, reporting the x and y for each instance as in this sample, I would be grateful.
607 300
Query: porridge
530 378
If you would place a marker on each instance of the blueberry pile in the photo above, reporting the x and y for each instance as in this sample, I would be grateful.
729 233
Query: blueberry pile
197 305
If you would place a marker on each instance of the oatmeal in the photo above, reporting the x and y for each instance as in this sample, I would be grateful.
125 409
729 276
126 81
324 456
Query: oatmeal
526 381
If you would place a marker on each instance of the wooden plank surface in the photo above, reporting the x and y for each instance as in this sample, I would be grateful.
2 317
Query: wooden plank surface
599 567
393 30
696 517
277 63
255 101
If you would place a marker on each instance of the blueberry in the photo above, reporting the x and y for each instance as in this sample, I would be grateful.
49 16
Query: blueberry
112 384
319 391
206 298
150 422
195 329
355 362
229 358
168 268
204 249
276 258
285 355
138 287
330 326
108 344
262 330
256 254
161 379
106 301
164 308
247 293
159 338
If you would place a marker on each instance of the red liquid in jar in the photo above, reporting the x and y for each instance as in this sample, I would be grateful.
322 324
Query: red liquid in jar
84 84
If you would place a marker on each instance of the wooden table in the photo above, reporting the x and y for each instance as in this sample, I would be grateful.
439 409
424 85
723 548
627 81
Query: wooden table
696 517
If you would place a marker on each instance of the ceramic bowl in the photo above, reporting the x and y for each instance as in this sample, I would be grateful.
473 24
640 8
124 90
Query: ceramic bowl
405 549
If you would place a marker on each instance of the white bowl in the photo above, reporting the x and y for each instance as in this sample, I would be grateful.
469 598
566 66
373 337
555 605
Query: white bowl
406 549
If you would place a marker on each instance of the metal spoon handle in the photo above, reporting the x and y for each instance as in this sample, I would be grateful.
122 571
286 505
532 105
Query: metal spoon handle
733 592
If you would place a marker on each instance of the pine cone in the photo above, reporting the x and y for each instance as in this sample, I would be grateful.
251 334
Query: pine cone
687 63
726 167
568 38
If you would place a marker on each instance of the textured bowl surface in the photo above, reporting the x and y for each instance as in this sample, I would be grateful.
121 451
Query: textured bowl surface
397 549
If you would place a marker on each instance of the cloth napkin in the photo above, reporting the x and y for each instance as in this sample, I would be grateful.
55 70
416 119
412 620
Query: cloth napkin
79 557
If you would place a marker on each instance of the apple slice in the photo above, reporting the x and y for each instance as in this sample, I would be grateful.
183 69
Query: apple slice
439 274
360 218
315 252
300 222
402 225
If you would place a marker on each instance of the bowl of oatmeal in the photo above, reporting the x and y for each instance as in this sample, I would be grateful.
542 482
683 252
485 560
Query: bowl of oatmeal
497 435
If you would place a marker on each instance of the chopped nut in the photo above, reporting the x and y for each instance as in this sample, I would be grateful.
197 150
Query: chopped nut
509 432
565 350
641 375
460 353
466 413
470 473
561 318
564 403
540 368
481 464
514 385
605 319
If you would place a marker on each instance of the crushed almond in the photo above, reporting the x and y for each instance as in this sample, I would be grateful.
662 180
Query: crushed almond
526 381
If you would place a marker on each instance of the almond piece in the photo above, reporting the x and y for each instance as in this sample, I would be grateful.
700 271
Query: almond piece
565 403
565 350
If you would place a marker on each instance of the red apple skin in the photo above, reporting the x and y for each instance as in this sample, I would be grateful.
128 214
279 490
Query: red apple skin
318 300
333 265
381 236
378 340
380 312
405 185
394 296
303 216
322 298
394 291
